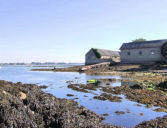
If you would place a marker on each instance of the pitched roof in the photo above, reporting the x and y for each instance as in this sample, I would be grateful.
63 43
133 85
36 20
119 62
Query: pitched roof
143 44
108 52
105 52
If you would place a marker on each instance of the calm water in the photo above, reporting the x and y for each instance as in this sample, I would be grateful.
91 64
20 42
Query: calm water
58 87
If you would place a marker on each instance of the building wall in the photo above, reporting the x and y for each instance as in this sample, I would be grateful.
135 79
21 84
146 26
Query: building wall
89 57
96 61
141 55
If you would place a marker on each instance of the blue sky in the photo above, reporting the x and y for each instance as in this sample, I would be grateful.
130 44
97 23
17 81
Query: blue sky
64 30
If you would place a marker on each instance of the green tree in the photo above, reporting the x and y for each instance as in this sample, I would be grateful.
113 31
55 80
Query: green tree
139 40
164 49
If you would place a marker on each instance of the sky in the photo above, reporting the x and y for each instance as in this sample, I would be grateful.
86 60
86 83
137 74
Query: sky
65 30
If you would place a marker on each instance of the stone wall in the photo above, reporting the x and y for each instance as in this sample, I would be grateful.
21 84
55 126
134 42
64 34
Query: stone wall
96 61
144 55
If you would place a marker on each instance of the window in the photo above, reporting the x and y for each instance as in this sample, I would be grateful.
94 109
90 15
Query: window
152 52
128 53
140 52
88 57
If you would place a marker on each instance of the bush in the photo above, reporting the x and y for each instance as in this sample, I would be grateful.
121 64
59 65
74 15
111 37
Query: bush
139 40
115 56
164 49
97 53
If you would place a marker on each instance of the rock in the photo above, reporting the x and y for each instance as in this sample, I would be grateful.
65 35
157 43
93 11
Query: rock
4 92
138 105
119 112
22 96
160 110
105 114
149 105
162 84
137 86
112 79
159 122
70 95
105 96
43 86
141 114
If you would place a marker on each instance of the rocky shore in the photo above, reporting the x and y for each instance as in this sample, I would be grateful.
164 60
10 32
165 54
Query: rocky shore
155 123
27 106
69 69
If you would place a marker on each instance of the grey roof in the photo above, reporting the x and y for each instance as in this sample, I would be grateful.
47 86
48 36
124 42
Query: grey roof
105 52
143 44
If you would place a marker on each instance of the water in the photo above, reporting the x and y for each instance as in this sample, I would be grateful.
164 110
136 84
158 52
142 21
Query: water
58 87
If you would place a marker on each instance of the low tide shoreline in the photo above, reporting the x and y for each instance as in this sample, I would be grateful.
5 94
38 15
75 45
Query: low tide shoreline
28 106
110 69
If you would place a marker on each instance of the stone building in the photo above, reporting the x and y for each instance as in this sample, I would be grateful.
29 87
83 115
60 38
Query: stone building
146 52
107 56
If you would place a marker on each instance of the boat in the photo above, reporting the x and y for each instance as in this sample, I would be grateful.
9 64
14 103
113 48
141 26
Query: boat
85 68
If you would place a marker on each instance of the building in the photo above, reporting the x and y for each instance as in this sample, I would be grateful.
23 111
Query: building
146 52
106 56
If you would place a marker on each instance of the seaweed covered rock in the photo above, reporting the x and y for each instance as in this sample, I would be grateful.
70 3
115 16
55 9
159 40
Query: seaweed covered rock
105 96
26 105
159 122
162 85
138 86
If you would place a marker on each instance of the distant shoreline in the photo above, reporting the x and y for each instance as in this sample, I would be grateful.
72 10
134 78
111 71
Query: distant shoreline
38 64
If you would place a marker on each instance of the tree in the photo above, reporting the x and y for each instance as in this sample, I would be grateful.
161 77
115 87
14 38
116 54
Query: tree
139 40
164 49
